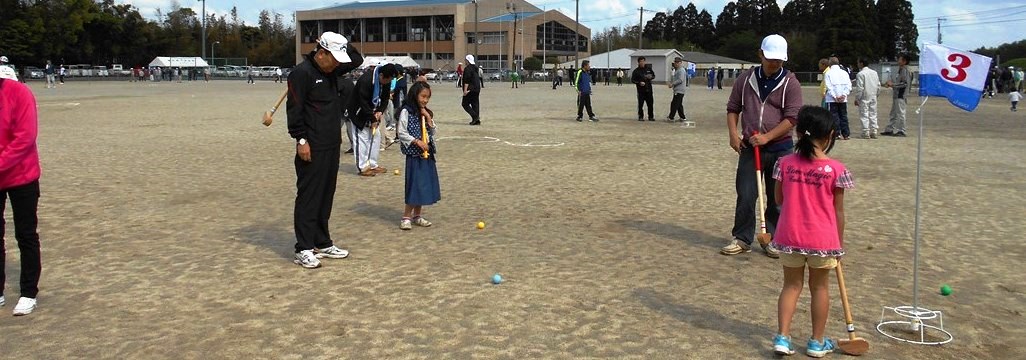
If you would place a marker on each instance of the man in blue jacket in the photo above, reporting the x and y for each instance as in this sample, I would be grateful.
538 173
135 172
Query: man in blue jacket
582 81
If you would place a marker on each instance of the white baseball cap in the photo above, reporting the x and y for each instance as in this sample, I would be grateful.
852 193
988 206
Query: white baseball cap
4 59
470 59
6 72
774 47
336 44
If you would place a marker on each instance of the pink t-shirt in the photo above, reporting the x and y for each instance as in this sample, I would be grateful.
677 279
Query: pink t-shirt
808 222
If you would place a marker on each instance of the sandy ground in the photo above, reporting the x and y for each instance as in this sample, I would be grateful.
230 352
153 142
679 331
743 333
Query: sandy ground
166 222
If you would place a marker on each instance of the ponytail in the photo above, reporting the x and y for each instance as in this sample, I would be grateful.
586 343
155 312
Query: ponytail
814 124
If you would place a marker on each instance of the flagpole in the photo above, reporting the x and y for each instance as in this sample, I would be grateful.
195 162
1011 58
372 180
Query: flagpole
915 231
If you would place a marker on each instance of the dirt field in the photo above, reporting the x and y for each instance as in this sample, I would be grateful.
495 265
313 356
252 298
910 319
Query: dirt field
166 223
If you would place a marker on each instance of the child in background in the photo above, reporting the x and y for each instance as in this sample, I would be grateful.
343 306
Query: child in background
810 190
416 133
1015 96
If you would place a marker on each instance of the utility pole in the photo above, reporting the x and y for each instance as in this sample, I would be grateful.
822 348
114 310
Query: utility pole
577 32
938 29
641 19
512 9
204 31
477 35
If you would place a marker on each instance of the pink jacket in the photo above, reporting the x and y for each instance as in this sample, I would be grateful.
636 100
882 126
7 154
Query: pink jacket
756 115
19 157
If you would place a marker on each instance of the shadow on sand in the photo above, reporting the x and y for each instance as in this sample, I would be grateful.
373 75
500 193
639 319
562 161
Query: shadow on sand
701 317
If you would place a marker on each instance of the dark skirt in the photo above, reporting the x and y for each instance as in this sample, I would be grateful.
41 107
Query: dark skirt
422 181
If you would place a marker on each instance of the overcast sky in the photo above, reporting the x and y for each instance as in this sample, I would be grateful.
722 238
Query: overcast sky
970 24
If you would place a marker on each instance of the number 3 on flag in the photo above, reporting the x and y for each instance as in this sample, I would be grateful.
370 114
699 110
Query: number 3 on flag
959 62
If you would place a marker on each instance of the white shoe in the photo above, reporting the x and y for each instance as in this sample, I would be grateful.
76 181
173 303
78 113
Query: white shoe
332 252
25 306
405 224
1 300
307 259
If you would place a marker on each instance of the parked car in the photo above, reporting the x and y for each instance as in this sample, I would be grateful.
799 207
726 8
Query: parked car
34 72
100 71
497 76
268 71
451 76
541 75
431 76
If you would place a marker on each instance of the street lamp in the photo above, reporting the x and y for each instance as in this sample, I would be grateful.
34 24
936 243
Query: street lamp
212 51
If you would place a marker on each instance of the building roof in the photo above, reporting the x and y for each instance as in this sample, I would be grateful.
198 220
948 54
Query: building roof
704 58
617 59
393 3
654 52
510 17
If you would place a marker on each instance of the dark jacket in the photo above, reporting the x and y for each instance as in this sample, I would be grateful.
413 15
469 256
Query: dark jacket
583 81
314 106
645 75
472 78
364 106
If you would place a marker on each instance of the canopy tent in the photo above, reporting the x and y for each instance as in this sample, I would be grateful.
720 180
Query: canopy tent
170 61
405 61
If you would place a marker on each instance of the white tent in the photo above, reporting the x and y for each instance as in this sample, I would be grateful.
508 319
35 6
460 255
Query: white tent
405 61
170 61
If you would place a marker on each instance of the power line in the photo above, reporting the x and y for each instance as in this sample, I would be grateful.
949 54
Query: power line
975 24
932 19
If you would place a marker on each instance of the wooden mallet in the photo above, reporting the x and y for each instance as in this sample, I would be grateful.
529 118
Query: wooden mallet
269 115
853 345
763 237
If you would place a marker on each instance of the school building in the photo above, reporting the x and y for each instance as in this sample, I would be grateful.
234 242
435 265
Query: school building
439 33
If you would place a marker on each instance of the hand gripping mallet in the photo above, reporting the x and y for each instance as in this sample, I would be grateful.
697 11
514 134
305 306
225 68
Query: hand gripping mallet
268 115
854 345
763 237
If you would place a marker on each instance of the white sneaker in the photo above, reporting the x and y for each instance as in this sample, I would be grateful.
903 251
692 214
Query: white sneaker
405 224
25 306
332 252
734 247
307 259
421 221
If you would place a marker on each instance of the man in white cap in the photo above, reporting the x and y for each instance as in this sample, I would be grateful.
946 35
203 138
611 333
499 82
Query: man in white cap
472 91
314 111
765 100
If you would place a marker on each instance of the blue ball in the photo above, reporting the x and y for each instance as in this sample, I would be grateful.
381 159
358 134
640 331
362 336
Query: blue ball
496 279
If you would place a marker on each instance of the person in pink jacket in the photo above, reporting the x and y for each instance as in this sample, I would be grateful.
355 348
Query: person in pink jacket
19 181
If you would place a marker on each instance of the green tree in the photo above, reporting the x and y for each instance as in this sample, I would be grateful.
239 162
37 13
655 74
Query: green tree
847 30
533 63
898 32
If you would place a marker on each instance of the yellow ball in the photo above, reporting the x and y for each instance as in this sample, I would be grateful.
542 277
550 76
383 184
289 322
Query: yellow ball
396 172
480 224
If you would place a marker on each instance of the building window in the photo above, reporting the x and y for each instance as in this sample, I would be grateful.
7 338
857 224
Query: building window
309 32
444 28
375 32
397 29
420 26
559 38
471 38
352 30
330 25
493 37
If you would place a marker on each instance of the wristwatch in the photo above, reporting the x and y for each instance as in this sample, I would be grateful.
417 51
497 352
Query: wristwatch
302 141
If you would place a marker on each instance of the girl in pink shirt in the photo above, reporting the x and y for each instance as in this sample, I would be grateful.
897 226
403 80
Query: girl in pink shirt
810 191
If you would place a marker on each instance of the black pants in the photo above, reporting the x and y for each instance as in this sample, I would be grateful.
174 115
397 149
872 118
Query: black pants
584 101
315 183
839 110
645 98
719 83
677 106
472 105
748 194
24 203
